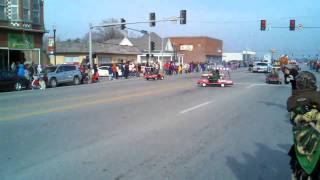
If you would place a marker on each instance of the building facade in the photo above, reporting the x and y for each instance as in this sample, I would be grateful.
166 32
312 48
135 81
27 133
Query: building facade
75 52
21 31
197 49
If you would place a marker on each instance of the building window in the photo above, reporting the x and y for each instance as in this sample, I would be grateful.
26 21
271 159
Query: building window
71 59
3 9
104 60
26 10
36 12
15 10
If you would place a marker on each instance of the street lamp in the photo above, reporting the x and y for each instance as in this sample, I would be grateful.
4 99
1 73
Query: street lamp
54 44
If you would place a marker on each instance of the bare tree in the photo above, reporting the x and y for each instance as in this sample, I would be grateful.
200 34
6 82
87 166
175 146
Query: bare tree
105 33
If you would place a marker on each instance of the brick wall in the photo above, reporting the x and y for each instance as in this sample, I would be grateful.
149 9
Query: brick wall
202 47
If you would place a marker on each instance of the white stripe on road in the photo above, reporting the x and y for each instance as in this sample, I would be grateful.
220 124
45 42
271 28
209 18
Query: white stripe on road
196 107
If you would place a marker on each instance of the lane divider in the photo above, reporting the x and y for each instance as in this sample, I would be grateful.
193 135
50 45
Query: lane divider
89 103
195 107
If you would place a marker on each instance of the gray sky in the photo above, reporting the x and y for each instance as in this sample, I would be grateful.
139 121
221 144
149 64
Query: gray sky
236 22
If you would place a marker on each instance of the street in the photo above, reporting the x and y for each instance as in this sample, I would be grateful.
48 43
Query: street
137 129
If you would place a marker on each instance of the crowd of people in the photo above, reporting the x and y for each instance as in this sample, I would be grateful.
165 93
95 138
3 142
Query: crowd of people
171 68
30 72
314 65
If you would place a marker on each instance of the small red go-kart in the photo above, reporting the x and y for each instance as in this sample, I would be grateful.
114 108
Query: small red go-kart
151 73
273 79
223 81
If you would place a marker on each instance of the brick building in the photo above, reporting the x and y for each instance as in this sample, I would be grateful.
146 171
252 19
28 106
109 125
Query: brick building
197 49
21 31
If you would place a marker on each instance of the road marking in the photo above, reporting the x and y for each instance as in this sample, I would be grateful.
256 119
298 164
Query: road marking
90 103
79 98
196 107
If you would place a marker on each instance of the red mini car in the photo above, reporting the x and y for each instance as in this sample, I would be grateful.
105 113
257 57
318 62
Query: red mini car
154 76
222 82
273 80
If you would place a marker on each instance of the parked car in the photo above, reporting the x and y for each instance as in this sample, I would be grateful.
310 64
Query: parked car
9 81
63 73
261 67
103 71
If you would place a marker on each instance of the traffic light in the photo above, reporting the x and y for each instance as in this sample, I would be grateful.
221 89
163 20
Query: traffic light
183 17
152 18
123 26
152 45
94 55
147 56
292 25
263 25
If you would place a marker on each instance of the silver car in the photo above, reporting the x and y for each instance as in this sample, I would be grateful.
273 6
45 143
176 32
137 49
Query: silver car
63 74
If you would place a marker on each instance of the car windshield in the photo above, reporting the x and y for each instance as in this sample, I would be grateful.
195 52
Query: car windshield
50 69
262 64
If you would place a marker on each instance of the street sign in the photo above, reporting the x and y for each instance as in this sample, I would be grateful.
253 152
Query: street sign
51 44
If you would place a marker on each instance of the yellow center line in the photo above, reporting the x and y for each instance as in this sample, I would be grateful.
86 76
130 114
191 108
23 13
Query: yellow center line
89 103
33 105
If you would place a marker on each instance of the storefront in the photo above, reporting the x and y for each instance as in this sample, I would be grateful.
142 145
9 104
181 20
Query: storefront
19 48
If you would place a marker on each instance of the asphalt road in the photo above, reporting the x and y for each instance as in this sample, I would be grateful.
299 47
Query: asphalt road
136 129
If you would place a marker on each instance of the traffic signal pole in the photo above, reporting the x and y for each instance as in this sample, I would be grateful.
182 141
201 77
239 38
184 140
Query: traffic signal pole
123 23
117 24
149 42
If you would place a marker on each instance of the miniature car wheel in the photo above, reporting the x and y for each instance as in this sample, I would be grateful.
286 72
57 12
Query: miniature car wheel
204 84
162 78
147 79
222 85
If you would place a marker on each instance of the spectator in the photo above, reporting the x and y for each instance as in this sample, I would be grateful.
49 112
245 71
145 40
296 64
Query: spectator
115 71
110 73
13 67
21 70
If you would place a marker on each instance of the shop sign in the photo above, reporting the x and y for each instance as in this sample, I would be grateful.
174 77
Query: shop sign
20 41
186 47
51 45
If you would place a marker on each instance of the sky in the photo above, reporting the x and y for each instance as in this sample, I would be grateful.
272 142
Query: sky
236 22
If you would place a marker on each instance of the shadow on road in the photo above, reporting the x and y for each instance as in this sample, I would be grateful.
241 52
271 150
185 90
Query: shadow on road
266 164
281 106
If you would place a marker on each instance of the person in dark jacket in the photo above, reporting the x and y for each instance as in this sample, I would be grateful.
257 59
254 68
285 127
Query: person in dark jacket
126 70
215 76
110 73
290 77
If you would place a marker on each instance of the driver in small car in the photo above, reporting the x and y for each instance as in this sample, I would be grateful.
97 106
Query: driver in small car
215 76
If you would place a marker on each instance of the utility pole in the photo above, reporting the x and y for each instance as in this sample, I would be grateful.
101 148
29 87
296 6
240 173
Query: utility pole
54 45
149 51
90 46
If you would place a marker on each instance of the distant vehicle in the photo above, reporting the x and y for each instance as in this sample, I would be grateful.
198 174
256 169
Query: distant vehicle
261 67
9 81
63 74
273 79
293 65
222 82
103 71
